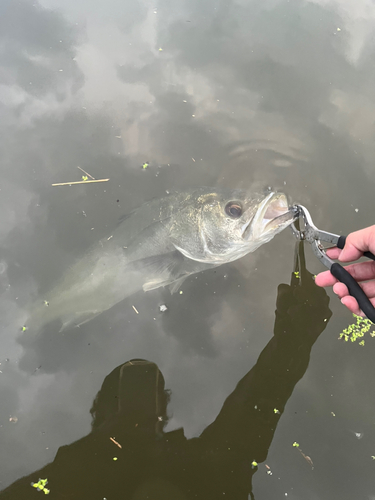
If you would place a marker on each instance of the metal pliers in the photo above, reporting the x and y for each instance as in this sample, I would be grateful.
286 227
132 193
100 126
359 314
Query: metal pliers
314 236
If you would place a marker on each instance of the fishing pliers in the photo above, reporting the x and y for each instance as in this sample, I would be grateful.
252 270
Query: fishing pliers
314 236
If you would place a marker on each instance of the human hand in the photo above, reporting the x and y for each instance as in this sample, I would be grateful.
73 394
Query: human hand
356 244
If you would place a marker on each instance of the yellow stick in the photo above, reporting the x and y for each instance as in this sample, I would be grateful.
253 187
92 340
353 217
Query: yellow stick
116 443
84 171
135 309
79 182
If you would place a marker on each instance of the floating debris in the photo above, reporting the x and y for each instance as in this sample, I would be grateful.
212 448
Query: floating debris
115 458
115 442
87 174
357 330
308 460
275 410
254 464
358 435
306 457
13 419
41 486
163 308
135 309
145 165
79 182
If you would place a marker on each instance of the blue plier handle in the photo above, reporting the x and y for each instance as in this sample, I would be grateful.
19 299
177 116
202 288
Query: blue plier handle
314 236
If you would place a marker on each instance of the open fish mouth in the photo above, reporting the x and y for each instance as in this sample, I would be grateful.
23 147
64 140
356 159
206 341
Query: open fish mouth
273 215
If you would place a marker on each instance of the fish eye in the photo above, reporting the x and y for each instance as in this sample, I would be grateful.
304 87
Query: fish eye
233 209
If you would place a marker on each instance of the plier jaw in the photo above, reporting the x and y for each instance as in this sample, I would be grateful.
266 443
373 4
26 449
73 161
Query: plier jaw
313 235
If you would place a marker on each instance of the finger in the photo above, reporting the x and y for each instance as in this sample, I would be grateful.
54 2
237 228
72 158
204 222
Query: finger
351 303
340 290
325 279
333 253
362 271
357 243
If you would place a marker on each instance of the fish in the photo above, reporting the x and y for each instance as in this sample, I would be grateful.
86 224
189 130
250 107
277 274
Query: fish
160 244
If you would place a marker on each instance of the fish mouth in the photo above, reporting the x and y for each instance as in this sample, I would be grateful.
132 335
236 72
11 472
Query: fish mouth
273 215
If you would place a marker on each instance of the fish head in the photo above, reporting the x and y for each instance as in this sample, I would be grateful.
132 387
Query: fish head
221 225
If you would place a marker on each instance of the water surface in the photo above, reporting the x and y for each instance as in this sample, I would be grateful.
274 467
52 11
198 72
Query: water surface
207 93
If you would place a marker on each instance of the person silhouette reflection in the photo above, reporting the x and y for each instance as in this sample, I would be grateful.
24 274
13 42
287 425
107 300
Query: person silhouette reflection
128 455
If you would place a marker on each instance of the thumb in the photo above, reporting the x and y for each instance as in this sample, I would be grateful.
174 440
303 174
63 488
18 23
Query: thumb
357 243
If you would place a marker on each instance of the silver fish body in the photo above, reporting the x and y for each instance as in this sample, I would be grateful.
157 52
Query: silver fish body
161 243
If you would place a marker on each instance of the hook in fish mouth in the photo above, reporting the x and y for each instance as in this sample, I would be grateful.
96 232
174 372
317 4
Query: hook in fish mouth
273 214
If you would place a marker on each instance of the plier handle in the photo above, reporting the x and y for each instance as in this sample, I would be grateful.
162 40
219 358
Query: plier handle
314 236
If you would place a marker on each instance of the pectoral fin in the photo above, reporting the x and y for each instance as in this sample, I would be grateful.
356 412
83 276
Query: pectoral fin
174 271
167 269
176 285
162 270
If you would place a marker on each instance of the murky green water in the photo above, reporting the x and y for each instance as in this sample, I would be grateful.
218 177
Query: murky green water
207 93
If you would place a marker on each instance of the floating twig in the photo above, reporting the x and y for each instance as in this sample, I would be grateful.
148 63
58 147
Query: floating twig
116 443
79 182
84 171
135 309
306 457
269 471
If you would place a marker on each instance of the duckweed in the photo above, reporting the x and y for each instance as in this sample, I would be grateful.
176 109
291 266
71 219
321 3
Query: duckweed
358 330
